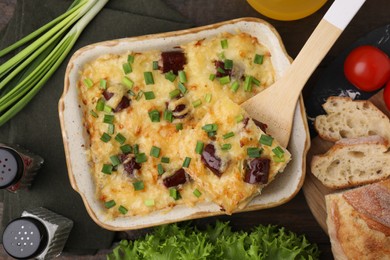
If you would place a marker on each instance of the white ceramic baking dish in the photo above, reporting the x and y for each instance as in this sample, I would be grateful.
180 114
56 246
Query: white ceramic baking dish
281 190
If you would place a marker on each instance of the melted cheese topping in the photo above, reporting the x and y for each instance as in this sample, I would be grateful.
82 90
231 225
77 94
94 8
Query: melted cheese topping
134 123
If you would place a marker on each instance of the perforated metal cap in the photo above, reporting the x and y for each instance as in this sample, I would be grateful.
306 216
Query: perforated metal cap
25 238
11 167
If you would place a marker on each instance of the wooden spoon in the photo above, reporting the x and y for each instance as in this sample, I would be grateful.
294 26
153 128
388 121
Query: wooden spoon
275 105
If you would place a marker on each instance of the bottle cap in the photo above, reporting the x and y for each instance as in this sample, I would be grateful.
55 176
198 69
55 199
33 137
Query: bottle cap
11 167
25 238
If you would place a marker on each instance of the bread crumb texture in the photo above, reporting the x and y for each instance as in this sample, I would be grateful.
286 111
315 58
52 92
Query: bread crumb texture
346 118
352 162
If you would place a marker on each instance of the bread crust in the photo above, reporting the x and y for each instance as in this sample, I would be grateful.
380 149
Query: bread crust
356 230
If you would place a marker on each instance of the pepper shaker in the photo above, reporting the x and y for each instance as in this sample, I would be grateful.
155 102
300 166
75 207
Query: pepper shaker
38 233
18 167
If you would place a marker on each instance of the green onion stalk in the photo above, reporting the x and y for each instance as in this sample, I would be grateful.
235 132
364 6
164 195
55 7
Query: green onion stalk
23 75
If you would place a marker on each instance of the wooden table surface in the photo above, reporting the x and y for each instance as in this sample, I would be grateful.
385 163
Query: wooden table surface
294 215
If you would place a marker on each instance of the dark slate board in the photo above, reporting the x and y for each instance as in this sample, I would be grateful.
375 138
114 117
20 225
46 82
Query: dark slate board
333 82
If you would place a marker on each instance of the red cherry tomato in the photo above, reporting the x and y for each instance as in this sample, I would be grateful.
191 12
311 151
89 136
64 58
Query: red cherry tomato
367 68
386 95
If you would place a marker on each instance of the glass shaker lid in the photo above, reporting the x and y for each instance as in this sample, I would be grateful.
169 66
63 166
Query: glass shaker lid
25 238
11 167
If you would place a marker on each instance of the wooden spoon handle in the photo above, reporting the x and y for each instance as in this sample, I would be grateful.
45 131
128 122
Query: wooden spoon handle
275 105
321 40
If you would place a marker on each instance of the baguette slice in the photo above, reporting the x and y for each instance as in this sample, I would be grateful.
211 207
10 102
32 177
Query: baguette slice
351 119
352 162
358 222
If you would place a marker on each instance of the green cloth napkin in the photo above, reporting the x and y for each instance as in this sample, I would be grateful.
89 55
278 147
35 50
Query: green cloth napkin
37 126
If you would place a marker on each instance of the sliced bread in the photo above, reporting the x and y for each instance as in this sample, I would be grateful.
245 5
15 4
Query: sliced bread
358 222
351 119
352 162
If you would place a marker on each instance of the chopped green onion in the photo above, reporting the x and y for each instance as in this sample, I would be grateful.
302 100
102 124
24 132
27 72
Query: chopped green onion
120 138
149 202
138 185
258 59
248 83
122 210
224 80
253 152
179 126
160 169
228 64
126 148
130 59
139 95
235 85
109 204
197 103
170 76
165 159
100 105
221 55
148 76
187 162
130 92
127 82
93 113
149 95
174 193
107 168
88 82
208 97
220 70
256 81
210 127
155 65
239 118
23 75
155 151
103 84
224 44
174 93
212 77
226 147
154 116
212 133
110 129
115 160
136 149
266 140
127 68
168 115
278 151
108 119
197 193
107 109
182 88
199 147
228 135
182 76
105 137
141 158
278 159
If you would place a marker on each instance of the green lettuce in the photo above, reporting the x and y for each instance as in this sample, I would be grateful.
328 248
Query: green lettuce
187 242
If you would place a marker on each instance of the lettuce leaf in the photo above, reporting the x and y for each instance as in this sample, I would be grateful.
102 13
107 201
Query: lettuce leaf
186 242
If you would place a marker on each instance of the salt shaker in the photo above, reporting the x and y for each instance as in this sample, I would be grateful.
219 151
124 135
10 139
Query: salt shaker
18 167
38 233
